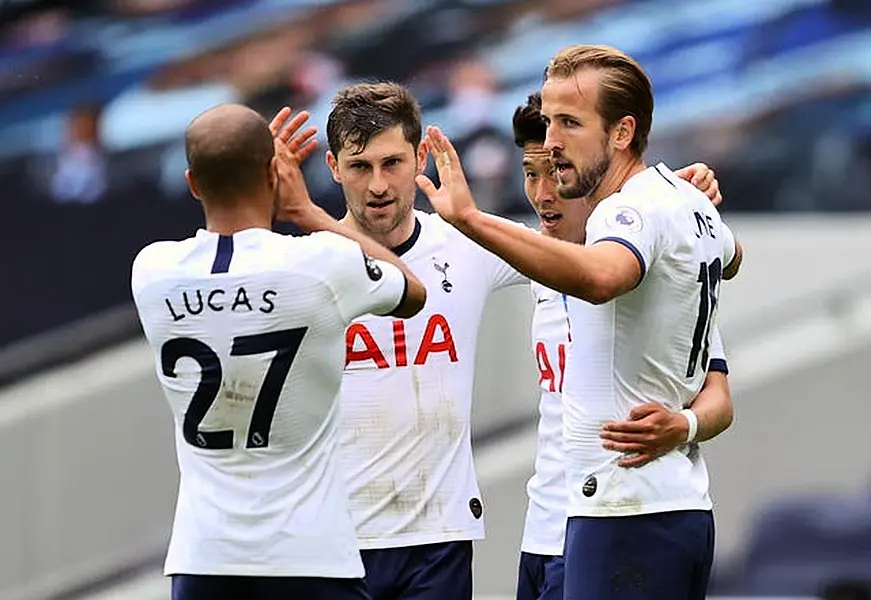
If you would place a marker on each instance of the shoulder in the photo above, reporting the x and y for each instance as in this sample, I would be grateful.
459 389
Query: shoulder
157 259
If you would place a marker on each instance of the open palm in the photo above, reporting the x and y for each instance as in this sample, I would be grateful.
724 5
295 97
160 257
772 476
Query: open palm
453 198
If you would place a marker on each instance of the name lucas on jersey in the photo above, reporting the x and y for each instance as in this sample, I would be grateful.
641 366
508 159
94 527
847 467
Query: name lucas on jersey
195 302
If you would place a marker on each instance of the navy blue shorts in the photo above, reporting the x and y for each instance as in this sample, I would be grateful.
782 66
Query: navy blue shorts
231 587
662 556
540 577
428 572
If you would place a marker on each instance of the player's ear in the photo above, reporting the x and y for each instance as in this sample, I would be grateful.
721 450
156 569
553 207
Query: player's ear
422 151
272 173
189 178
333 164
623 133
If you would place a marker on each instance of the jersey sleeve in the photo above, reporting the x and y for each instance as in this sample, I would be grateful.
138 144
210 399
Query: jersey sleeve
717 361
627 220
362 284
501 273
730 249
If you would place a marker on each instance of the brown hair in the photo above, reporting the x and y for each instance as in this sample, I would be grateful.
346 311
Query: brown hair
624 88
362 111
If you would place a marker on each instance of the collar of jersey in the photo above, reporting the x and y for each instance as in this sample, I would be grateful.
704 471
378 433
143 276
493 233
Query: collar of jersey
407 244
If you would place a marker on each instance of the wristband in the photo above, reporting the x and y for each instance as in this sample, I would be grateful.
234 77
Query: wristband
693 421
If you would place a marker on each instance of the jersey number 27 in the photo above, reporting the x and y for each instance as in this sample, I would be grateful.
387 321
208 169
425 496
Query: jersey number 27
284 343
709 277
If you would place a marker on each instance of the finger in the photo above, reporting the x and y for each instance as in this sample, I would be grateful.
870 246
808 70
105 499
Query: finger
446 147
278 120
306 150
623 447
624 437
643 410
718 199
293 125
426 185
638 460
633 427
298 140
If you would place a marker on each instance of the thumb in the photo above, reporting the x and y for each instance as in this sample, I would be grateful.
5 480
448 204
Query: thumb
426 185
639 412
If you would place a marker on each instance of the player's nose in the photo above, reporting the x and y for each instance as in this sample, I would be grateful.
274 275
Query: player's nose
378 184
552 142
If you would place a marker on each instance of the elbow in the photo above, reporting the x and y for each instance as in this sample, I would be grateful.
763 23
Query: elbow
414 301
605 287
733 267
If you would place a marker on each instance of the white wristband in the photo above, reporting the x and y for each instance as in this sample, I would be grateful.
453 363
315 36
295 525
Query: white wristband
693 421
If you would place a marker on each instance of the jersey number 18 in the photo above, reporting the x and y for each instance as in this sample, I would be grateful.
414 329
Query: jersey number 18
709 277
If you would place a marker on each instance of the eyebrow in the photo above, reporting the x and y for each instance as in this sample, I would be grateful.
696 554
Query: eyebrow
356 159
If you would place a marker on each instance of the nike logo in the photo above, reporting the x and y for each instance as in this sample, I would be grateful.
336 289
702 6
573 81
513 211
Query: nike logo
540 300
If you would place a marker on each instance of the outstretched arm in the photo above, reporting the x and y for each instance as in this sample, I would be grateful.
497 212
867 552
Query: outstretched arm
596 274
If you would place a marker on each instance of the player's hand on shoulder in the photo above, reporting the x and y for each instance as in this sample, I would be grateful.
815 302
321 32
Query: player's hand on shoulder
452 199
704 179
650 431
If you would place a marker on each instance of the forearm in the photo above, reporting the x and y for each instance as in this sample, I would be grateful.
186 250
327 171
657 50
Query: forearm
713 407
561 266
317 219
733 267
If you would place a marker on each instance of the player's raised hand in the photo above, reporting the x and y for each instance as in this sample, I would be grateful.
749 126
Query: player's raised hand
650 432
453 198
294 203
286 129
702 177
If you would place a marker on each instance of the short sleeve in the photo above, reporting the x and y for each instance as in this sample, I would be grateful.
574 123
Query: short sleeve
729 250
629 221
717 361
362 284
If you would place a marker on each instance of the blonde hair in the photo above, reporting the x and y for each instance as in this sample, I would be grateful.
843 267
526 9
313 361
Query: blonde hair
624 88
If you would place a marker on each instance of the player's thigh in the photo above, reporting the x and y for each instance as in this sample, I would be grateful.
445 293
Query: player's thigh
311 588
540 577
439 572
554 579
211 587
530 576
702 575
645 557
384 568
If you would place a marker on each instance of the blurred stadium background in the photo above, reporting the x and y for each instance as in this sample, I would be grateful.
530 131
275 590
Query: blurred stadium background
95 94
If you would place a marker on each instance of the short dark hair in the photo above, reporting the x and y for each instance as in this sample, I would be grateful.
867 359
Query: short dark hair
529 125
229 149
624 88
362 111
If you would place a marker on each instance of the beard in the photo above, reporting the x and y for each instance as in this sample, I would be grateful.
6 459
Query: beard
382 224
587 179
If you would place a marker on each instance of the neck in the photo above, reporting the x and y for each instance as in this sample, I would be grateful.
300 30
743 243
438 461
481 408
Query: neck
622 169
235 217
388 239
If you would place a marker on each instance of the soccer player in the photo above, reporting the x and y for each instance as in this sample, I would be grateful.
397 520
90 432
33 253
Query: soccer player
541 568
645 286
406 394
247 328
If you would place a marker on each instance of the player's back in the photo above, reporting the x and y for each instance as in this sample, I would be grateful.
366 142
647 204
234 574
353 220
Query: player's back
651 344
248 335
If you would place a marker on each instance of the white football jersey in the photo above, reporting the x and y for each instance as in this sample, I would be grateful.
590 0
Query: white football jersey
651 344
248 333
406 398
545 525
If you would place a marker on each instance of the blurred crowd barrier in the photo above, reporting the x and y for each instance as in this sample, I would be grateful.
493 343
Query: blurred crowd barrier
95 95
